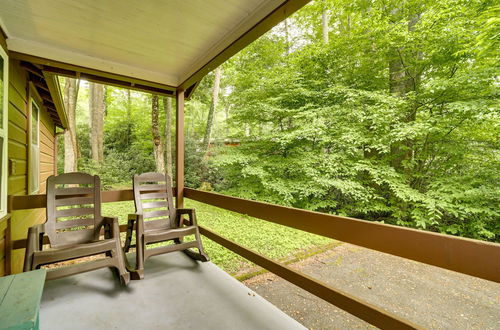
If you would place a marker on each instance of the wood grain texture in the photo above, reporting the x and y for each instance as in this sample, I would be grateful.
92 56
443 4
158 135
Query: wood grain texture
17 117
16 133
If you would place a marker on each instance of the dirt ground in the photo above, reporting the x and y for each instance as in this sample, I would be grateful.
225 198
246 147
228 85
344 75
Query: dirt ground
431 297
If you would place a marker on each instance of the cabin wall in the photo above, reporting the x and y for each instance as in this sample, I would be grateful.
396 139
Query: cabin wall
18 158
3 246
4 221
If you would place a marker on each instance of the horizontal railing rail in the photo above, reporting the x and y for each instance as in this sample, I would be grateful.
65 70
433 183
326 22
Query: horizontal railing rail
27 202
358 307
463 255
472 257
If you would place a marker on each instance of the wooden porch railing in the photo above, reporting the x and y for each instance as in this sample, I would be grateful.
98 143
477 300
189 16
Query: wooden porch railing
468 256
472 257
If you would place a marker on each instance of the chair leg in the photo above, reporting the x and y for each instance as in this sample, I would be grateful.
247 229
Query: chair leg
201 255
120 266
138 272
128 239
34 243
120 262
28 260
204 256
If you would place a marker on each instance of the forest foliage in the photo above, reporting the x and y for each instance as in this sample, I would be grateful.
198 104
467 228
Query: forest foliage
391 115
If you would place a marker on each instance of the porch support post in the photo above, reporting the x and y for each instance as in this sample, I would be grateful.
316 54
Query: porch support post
179 150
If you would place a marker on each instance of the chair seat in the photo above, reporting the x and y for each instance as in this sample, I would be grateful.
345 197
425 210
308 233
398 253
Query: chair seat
157 235
75 251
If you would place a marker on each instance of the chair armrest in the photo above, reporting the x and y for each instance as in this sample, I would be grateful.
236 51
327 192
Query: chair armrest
35 233
190 212
39 228
111 226
136 218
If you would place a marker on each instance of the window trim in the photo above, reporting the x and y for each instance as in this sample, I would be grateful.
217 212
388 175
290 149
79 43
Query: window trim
31 171
4 132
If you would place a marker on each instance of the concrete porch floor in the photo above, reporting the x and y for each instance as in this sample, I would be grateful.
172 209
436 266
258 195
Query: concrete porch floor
176 293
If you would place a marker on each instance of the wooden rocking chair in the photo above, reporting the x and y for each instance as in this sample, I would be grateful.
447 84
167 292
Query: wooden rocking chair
73 227
156 220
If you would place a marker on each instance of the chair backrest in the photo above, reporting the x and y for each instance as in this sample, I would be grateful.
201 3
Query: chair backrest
73 209
153 198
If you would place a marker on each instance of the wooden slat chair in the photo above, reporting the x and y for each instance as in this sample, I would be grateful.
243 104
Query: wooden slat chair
73 227
156 220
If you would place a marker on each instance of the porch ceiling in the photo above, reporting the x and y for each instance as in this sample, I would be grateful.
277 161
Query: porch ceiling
164 42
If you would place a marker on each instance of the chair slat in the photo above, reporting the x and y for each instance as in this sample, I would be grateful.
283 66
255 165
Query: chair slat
156 214
74 201
152 187
156 224
154 195
70 237
151 205
73 178
150 177
74 212
74 223
73 191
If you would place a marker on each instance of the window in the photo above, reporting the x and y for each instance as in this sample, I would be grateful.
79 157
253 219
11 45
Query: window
4 83
34 156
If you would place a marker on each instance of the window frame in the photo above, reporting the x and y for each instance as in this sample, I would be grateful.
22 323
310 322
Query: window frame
4 107
34 155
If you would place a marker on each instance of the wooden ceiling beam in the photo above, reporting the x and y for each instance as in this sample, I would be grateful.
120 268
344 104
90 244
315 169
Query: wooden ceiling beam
40 84
49 104
32 69
45 95
75 71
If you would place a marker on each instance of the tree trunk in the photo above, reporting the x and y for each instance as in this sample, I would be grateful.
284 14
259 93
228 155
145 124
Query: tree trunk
129 117
324 25
287 36
158 149
226 111
96 109
71 150
105 100
167 106
213 106
402 80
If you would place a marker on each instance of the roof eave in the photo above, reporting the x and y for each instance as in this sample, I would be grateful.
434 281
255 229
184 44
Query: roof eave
55 91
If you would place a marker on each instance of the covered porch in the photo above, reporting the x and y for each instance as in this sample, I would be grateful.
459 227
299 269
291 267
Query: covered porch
200 283
178 292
